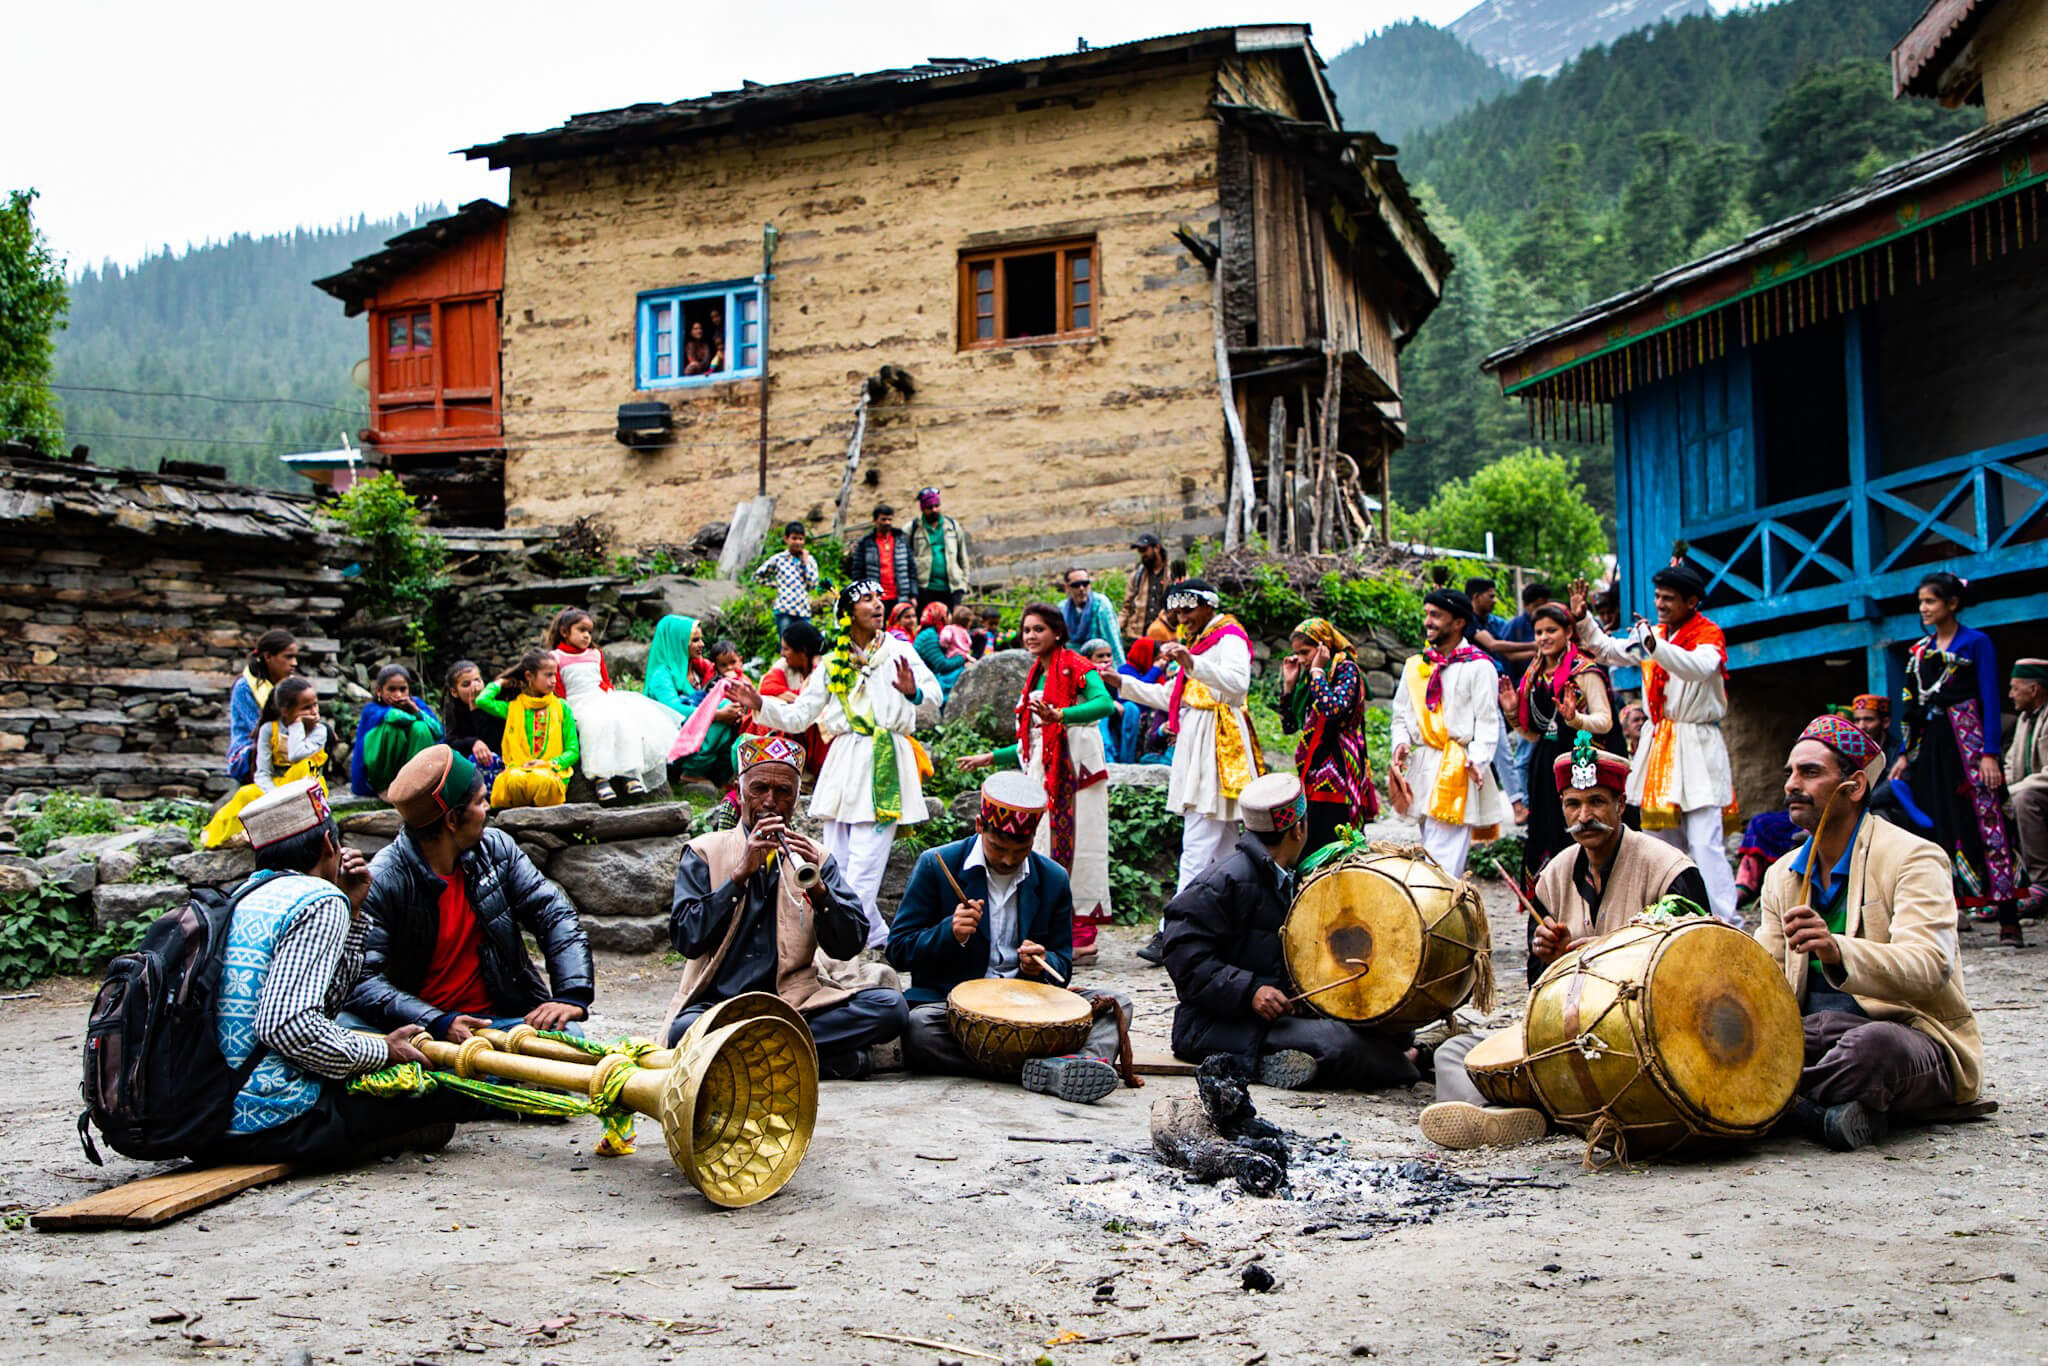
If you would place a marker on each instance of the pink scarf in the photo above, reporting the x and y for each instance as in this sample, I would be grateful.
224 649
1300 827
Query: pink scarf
1568 667
1433 691
1218 629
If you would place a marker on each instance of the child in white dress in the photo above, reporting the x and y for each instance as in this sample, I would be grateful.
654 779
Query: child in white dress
623 734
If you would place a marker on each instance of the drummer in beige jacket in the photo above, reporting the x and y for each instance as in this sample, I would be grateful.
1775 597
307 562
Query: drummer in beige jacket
1609 876
1870 949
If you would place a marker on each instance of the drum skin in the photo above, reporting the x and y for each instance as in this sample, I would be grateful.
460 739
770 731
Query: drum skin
1660 1033
1499 1069
1419 930
1001 1022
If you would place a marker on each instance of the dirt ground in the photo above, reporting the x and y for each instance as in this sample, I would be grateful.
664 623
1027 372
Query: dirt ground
918 1214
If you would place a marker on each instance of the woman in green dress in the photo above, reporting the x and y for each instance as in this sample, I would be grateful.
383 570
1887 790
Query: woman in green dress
1059 743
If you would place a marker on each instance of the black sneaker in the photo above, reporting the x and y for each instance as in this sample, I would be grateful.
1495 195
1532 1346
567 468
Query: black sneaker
1074 1077
852 1064
1845 1127
1154 951
1290 1069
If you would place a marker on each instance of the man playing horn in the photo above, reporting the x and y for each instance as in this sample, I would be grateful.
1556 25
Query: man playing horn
1446 726
743 924
987 906
1217 751
1610 876
1863 916
864 696
1681 778
1223 951
450 903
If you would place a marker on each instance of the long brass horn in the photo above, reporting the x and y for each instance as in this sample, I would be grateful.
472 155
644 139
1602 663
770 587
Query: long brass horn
737 1107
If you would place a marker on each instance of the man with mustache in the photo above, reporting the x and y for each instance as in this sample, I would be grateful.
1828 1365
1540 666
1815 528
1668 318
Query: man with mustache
1446 727
1585 893
1863 917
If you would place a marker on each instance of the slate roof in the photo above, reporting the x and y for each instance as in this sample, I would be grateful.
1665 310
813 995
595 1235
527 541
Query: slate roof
355 286
45 497
1922 58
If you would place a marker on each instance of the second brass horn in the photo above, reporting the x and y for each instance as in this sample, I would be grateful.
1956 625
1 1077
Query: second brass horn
804 873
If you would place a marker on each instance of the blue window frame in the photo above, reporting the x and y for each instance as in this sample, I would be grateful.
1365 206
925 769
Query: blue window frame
698 334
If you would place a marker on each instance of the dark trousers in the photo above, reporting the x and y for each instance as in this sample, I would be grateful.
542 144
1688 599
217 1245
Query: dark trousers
873 1016
1345 1054
927 596
1323 820
929 1045
1886 1066
342 1129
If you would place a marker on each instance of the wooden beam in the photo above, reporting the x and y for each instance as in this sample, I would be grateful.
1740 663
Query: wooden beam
1237 515
159 1199
1276 472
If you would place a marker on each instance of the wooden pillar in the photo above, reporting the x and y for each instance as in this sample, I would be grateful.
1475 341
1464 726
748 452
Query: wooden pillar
1859 361
1276 472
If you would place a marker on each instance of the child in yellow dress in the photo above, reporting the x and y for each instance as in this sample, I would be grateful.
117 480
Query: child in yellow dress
291 743
540 734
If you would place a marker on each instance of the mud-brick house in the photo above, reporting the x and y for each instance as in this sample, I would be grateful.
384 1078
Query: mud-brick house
431 297
1115 279
1842 402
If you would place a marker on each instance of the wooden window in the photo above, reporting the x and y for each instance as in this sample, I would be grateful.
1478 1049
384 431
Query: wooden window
698 334
422 331
1043 291
397 334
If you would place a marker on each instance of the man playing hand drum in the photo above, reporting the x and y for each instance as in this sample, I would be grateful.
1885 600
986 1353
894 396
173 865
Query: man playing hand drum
1016 920
1863 915
1585 893
742 923
1222 943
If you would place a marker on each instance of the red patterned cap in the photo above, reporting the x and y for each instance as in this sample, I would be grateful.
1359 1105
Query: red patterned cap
771 749
1011 804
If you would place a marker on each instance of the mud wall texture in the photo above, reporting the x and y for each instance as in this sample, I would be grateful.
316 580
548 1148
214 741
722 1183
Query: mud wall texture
1044 450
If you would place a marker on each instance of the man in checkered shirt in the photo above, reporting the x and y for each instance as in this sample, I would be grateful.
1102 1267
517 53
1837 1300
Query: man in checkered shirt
795 572
295 948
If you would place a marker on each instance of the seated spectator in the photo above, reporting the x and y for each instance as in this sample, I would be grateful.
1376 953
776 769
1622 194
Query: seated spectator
1098 653
393 727
537 731
704 747
291 744
702 354
802 643
448 902
930 647
297 935
902 621
957 636
478 734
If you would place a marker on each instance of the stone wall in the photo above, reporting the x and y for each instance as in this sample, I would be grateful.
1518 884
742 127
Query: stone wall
1045 451
128 603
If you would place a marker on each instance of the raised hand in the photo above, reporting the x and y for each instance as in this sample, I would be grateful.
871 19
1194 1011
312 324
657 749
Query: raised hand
1581 594
906 680
741 693
967 763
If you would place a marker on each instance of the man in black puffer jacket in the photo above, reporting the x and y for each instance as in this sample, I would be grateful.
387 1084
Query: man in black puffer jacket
1222 945
448 899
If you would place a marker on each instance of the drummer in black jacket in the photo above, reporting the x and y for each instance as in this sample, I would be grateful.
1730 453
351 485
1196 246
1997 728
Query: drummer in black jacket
447 902
1222 945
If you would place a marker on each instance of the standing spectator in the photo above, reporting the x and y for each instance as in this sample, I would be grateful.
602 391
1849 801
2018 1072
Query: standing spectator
938 554
1513 647
1323 699
883 557
1088 614
2026 777
795 573
1951 766
1145 598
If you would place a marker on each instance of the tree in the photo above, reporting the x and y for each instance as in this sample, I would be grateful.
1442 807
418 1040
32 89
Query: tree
32 304
1533 503
1836 126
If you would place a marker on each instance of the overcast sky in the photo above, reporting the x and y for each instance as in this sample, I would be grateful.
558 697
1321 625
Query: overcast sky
153 125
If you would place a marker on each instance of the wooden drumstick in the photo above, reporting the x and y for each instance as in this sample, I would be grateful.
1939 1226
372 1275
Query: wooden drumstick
1044 966
1527 904
1363 969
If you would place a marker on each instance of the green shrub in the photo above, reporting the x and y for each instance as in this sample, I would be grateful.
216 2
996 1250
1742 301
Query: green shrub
403 569
47 931
68 813
1144 852
1500 858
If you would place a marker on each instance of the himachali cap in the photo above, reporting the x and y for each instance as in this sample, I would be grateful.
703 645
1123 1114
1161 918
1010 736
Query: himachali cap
433 783
1192 593
1011 804
771 749
1273 805
1847 741
1870 701
291 809
1587 767
2031 670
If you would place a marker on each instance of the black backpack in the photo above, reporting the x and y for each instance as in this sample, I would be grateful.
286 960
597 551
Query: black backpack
156 1085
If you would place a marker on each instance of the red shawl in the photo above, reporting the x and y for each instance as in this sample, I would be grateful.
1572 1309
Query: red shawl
1066 674
1222 627
1695 632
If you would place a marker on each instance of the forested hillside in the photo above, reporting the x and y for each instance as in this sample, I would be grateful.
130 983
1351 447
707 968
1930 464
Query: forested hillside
1672 143
233 320
1409 76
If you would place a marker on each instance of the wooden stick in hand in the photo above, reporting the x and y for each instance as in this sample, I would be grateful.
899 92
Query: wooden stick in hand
1363 969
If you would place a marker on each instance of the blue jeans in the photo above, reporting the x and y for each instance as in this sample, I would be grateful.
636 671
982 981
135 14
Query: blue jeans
785 620
1511 767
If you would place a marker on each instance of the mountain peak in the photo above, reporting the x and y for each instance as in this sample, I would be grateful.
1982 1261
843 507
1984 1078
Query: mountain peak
1536 37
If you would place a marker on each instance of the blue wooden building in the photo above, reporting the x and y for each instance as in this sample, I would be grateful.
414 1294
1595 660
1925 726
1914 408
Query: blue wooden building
1826 411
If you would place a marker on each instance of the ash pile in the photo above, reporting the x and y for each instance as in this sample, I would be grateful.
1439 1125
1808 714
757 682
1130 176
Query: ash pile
1213 1162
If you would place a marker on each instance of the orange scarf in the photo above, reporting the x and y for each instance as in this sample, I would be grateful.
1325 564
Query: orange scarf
1695 632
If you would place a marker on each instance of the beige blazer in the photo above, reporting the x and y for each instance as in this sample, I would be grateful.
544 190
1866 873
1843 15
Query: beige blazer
1900 959
2037 775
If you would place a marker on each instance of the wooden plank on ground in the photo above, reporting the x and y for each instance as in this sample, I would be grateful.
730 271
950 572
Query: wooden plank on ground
157 1199
1150 1058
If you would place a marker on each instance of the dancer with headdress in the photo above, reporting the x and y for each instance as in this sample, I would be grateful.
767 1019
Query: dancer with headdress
1322 697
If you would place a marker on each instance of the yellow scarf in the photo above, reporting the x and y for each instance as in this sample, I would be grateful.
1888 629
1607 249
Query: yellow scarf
1238 756
1447 797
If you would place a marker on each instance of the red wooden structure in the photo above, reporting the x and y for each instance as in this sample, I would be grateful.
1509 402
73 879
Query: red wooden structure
433 297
